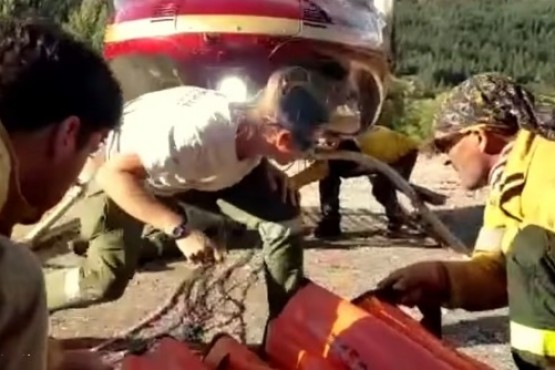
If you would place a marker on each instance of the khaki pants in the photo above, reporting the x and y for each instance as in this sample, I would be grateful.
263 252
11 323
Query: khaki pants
117 241
23 312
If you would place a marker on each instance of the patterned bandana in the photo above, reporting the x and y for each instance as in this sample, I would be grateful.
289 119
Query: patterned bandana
498 103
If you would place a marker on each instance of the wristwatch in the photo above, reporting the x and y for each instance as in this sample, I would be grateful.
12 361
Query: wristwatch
180 231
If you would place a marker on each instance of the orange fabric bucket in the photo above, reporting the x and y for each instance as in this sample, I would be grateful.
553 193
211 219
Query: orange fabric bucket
412 329
170 355
236 356
319 330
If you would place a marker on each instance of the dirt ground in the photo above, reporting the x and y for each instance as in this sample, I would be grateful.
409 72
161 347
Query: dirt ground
347 267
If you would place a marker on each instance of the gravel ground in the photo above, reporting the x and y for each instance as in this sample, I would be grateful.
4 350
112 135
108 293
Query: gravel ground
347 267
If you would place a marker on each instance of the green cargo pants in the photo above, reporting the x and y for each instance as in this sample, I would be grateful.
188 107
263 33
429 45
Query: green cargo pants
531 289
117 241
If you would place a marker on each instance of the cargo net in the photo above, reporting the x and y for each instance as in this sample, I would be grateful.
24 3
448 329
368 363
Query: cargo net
212 301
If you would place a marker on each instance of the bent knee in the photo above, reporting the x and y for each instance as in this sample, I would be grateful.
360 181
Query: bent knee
273 231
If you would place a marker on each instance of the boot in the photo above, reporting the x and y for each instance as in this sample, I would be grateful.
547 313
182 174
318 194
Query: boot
328 228
395 220
79 246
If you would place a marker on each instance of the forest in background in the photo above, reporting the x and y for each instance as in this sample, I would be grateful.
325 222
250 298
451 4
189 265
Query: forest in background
438 44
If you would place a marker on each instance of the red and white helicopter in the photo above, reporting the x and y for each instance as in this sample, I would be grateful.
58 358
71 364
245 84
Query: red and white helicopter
234 46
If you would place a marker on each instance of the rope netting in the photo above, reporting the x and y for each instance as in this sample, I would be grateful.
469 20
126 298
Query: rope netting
211 302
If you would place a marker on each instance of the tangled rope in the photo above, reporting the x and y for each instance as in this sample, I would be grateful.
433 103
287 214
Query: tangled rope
198 307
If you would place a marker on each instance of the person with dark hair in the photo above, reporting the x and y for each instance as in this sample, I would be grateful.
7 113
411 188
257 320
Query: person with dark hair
496 132
192 146
58 100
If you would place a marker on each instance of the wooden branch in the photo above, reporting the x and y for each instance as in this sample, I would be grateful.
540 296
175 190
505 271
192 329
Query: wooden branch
440 231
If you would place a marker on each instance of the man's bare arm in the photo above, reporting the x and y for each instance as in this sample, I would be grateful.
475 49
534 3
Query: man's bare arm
122 178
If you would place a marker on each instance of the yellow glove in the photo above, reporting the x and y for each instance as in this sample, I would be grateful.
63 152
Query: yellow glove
315 172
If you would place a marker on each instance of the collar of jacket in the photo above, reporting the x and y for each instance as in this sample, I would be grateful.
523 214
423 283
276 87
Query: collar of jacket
496 172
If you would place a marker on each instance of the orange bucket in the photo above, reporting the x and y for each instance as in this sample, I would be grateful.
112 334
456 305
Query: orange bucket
134 362
319 330
226 350
170 355
413 330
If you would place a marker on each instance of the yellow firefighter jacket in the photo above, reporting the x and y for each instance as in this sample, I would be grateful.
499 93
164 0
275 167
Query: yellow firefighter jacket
524 194
379 142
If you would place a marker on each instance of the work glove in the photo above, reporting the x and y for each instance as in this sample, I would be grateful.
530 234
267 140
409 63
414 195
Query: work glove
422 284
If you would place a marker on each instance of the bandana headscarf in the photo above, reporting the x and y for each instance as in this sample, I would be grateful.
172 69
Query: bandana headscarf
496 102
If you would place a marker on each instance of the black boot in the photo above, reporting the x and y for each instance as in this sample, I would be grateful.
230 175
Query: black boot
395 221
329 225
328 228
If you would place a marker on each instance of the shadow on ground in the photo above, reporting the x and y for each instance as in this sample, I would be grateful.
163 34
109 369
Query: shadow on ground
362 224
465 222
360 227
479 331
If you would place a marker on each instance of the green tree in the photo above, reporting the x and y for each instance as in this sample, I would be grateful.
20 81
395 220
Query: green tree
444 42
85 18
88 21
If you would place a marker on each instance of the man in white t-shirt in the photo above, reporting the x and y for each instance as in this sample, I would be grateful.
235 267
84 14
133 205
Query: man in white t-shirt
190 145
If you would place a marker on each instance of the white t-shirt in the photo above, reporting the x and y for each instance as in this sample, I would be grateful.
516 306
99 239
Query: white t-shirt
185 138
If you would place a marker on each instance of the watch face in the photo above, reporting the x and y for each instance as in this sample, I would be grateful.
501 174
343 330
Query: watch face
180 232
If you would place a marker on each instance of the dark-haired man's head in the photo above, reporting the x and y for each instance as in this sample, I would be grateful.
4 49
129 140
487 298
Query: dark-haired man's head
58 100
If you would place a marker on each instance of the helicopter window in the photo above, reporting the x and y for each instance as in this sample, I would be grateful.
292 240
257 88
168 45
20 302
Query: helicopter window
314 13
333 70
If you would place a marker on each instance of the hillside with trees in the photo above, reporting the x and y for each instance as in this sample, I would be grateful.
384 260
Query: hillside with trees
444 42
438 44
85 18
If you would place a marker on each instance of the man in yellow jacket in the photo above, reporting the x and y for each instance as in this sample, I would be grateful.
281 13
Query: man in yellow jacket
58 100
380 142
494 131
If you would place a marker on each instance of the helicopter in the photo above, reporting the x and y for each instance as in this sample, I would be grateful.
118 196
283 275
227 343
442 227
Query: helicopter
233 47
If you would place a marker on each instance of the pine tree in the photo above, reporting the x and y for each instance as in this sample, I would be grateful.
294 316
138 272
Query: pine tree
88 21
